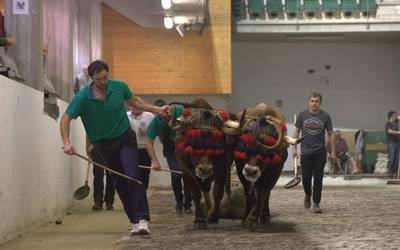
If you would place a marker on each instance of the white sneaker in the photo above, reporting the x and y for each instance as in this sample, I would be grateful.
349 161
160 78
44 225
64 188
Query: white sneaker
143 227
135 229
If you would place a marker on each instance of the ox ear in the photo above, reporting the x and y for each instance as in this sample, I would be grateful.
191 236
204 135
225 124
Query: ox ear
242 119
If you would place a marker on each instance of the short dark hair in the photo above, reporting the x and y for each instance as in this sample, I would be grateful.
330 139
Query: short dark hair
160 102
391 113
316 94
96 67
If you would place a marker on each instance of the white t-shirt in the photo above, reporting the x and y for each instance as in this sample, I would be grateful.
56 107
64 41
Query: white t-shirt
139 124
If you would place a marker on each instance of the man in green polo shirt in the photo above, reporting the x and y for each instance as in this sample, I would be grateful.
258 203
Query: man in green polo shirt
159 127
101 108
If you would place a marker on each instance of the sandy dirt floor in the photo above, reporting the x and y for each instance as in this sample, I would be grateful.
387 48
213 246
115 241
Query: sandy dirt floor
366 217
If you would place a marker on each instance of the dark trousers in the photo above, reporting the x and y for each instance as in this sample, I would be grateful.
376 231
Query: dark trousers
121 154
98 181
312 165
393 151
177 180
343 158
145 160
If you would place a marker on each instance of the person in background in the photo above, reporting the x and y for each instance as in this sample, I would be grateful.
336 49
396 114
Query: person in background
159 128
82 79
99 194
139 121
358 150
101 108
341 150
392 139
312 123
6 41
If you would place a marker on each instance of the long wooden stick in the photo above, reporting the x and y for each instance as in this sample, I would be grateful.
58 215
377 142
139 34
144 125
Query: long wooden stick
165 170
108 169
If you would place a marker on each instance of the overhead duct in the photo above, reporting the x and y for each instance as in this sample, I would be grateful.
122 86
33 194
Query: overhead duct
188 15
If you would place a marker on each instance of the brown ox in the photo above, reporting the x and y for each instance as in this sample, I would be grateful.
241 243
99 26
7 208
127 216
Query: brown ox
201 150
260 154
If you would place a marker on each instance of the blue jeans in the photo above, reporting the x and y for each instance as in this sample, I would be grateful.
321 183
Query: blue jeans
185 199
121 155
393 151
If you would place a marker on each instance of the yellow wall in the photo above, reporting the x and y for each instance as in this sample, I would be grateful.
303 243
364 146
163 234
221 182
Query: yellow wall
159 61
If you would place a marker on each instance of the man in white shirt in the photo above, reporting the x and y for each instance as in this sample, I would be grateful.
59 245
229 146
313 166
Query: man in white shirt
139 121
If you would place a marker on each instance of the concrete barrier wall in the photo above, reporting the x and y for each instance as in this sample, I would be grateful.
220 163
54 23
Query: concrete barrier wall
37 179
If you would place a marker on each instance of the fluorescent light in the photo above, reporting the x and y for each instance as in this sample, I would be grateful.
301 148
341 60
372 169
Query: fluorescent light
181 19
168 22
166 4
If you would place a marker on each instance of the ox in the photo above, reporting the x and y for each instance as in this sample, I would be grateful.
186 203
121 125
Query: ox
260 154
204 155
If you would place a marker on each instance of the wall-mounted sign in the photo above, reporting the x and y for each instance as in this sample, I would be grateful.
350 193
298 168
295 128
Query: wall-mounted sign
21 7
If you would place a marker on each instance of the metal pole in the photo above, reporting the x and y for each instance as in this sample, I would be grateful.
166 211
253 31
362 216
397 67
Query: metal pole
108 169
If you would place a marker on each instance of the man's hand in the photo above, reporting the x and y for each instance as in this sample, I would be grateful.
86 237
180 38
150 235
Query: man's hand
163 111
334 157
68 149
156 166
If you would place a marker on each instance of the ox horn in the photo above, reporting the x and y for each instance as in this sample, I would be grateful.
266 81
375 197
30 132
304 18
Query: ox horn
289 140
231 124
231 127
274 122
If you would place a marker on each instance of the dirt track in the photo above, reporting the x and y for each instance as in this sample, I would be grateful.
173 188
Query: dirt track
365 217
352 218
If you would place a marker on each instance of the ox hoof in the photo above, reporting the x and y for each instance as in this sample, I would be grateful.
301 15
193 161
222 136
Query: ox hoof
265 219
249 223
200 223
213 220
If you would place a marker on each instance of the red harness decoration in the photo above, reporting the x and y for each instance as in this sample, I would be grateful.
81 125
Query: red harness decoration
248 147
201 141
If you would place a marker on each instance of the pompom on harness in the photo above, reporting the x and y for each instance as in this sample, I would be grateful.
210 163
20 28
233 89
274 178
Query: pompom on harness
260 140
200 132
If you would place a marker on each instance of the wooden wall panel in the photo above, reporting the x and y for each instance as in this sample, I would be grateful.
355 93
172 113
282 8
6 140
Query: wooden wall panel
159 61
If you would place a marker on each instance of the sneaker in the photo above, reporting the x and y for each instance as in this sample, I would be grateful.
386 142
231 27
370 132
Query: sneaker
317 209
307 201
135 229
109 206
143 227
98 205
188 210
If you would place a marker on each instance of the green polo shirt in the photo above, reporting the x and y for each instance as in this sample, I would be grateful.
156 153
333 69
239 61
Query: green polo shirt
156 126
102 119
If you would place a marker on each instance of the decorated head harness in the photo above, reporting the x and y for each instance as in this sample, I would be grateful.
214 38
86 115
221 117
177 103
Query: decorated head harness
261 138
199 131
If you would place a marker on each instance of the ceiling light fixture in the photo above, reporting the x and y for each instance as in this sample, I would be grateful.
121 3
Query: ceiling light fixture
166 4
168 22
